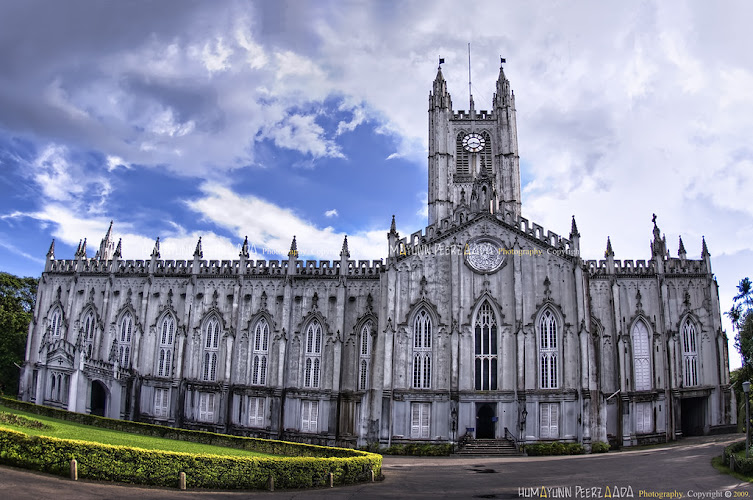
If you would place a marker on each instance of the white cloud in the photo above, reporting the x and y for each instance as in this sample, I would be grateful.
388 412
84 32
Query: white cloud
302 133
215 55
270 226
331 213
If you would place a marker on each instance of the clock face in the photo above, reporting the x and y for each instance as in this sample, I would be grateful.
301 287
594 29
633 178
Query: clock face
473 143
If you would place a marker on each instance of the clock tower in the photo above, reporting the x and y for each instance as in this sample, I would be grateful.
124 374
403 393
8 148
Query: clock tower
473 155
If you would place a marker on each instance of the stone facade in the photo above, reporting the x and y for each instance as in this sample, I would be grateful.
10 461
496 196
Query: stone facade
483 325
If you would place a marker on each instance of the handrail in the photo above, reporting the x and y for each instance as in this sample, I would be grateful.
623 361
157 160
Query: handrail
510 437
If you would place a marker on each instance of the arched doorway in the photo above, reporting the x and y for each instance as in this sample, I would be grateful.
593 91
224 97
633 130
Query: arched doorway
98 402
485 421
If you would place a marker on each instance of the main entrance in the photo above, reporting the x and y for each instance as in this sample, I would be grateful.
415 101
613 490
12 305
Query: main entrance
693 411
98 402
485 421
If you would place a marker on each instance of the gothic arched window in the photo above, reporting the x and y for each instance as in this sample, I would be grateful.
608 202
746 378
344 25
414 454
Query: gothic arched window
422 350
548 350
211 347
56 322
364 356
462 166
485 328
313 356
260 352
641 356
89 330
124 340
689 354
166 338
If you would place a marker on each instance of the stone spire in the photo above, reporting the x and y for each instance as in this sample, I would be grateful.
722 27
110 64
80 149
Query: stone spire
155 251
293 253
659 245
574 228
439 97
681 251
392 237
609 255
503 95
244 249
119 249
81 250
575 238
198 253
704 248
50 257
106 246
345 253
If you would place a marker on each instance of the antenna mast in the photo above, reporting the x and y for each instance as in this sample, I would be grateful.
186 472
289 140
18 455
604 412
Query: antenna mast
470 95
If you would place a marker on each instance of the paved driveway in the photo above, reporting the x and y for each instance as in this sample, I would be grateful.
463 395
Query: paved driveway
683 469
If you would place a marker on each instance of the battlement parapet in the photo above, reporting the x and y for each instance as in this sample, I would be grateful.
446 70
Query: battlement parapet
365 268
317 267
685 266
625 267
483 114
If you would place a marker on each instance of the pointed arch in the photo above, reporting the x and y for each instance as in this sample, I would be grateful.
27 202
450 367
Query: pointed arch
486 340
125 335
689 343
548 337
423 326
210 341
640 338
56 321
89 325
312 347
365 337
260 350
166 334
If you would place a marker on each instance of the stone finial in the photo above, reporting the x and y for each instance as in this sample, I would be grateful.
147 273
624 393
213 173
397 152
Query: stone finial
293 253
393 228
119 249
704 248
609 252
78 249
574 229
155 251
681 251
244 249
83 249
198 253
51 251
344 253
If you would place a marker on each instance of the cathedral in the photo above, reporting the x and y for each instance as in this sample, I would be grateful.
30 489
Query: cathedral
481 326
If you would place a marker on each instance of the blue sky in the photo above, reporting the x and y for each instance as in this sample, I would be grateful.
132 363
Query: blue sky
274 119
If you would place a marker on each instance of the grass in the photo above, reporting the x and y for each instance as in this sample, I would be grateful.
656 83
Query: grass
718 464
70 430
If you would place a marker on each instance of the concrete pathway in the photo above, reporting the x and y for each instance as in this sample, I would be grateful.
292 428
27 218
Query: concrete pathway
680 470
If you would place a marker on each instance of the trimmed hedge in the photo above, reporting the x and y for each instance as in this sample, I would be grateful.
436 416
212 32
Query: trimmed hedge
161 468
556 448
599 447
269 446
418 449
304 466
21 421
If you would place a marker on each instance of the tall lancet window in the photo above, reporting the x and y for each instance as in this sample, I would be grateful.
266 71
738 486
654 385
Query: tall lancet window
89 326
422 350
364 356
486 348
124 340
260 352
313 357
462 164
548 350
486 154
641 357
166 339
211 348
689 354
56 322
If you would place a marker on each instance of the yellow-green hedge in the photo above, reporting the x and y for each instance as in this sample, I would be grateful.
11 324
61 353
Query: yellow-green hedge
162 468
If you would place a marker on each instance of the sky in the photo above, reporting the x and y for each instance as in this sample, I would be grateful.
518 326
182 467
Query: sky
180 119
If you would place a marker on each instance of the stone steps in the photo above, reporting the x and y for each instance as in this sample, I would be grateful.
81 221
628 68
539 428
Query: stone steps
488 447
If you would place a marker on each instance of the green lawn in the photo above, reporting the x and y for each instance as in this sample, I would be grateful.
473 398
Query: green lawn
69 430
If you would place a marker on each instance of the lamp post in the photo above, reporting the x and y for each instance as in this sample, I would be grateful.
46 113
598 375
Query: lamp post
746 390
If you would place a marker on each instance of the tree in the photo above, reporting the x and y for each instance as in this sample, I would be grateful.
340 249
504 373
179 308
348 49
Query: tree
17 297
741 315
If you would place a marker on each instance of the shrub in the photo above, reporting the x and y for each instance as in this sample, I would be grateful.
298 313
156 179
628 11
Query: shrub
21 421
161 468
574 449
556 448
599 447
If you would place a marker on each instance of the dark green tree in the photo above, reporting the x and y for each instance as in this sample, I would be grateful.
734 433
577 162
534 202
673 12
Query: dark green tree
741 315
17 296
